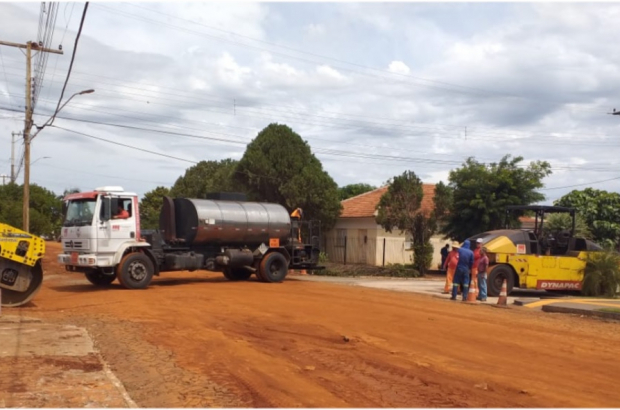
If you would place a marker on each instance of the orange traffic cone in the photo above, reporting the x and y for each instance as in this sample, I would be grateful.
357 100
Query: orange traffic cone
503 295
303 272
473 291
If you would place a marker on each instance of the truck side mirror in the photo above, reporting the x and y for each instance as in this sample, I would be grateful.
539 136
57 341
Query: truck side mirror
106 214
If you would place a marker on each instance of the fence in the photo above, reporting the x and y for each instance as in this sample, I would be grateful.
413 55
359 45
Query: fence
368 250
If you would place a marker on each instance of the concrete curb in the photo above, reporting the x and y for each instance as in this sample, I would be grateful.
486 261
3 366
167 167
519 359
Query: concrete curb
524 302
583 312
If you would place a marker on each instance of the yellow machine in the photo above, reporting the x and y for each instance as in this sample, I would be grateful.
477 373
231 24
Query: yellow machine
21 272
529 259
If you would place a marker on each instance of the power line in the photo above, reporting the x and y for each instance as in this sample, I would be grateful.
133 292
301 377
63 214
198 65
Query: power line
77 39
316 149
587 183
363 124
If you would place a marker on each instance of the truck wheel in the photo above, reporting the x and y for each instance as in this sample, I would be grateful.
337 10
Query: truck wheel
100 279
496 279
135 271
273 268
237 274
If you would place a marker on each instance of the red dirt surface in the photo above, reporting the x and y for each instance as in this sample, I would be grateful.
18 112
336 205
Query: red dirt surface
198 340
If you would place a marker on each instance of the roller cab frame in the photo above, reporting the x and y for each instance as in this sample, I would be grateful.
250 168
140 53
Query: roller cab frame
529 259
232 236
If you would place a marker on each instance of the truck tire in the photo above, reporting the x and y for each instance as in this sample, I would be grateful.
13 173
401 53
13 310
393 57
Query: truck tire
236 274
135 271
100 279
273 268
496 278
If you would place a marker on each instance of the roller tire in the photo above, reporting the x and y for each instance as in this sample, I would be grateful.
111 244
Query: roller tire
11 298
135 271
99 279
497 276
237 274
273 268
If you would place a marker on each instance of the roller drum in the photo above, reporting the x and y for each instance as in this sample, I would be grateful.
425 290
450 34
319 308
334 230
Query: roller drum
203 221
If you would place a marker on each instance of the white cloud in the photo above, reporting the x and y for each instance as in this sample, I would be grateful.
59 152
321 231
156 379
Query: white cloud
521 81
315 29
399 67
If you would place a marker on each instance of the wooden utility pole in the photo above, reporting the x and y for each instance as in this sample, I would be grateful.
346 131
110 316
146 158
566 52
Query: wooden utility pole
29 46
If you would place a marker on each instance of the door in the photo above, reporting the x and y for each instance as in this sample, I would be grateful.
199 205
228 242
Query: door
121 227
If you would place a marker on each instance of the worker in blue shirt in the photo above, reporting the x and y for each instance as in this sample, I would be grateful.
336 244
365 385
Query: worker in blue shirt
463 269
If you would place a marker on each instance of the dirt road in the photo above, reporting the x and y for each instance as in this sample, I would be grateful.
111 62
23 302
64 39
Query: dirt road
197 340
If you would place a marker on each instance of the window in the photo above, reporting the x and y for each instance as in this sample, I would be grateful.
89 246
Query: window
125 203
80 212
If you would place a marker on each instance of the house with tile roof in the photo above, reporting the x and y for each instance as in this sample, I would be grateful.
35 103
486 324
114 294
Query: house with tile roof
357 238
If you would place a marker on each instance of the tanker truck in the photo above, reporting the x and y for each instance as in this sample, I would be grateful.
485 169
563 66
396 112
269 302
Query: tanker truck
101 238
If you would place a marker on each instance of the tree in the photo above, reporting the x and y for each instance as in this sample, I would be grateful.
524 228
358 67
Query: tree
150 206
206 177
45 209
481 192
278 166
399 208
600 210
351 190
555 223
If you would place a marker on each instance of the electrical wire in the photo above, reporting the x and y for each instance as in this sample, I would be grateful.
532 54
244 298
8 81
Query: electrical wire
364 124
77 39
577 185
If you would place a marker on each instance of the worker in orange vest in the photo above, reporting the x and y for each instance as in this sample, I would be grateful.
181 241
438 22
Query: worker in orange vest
450 267
474 269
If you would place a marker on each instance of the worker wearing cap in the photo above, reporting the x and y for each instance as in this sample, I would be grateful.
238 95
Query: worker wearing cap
463 270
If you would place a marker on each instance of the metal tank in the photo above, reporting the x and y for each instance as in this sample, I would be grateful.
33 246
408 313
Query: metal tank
203 221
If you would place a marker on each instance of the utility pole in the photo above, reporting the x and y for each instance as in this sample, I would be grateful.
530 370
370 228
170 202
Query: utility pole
29 46
13 135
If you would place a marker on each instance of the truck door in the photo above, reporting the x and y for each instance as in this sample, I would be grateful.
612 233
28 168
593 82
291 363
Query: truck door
120 228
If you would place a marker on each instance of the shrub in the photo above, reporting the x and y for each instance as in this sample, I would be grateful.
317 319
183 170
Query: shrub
602 274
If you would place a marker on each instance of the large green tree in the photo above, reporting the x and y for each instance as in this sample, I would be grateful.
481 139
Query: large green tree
45 209
150 206
480 193
351 190
600 210
399 208
278 166
206 177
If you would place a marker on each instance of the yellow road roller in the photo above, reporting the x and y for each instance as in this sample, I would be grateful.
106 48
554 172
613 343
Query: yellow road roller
531 259
21 271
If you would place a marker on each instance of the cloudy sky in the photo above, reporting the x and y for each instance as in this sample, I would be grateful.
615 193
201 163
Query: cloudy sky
375 89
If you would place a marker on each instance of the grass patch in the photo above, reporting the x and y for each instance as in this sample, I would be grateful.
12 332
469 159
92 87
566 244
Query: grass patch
395 270
609 310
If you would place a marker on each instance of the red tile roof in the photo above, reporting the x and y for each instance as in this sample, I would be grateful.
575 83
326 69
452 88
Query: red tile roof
364 205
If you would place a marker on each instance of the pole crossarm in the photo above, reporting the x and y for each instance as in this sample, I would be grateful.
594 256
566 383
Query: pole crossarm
33 46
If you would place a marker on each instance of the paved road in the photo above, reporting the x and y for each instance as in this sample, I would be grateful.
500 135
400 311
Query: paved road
531 299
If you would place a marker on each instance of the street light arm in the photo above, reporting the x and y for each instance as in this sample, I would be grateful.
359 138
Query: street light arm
50 121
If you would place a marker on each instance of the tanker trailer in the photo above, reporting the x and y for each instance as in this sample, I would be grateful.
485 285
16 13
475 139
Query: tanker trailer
237 238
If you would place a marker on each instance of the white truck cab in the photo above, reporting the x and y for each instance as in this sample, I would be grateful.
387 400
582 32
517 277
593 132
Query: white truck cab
99 227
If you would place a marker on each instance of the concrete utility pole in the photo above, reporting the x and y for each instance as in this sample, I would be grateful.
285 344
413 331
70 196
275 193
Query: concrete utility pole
13 135
29 46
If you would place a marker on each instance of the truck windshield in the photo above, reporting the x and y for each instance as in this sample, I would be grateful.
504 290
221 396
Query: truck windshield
80 212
